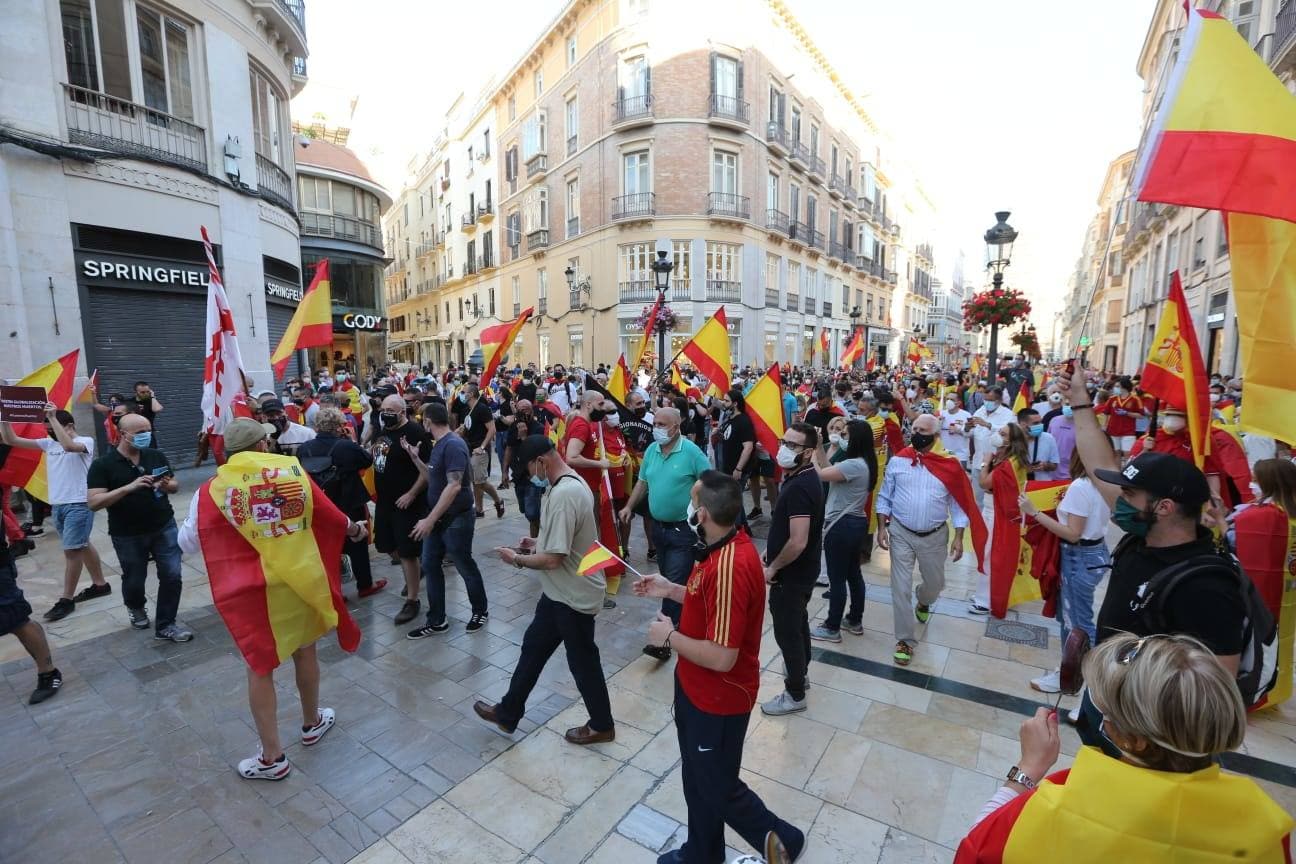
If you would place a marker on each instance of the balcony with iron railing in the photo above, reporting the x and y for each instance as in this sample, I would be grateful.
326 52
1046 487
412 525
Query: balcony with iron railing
723 291
818 170
809 306
793 302
632 110
105 122
641 205
468 222
890 277
728 111
776 220
517 310
422 250
814 239
299 70
776 138
827 309
485 261
341 228
799 155
836 185
572 143
537 165
799 232
837 249
573 227
575 299
485 212
724 205
470 266
1284 41
771 298
440 239
638 291
848 196
542 306
538 239
274 183
296 10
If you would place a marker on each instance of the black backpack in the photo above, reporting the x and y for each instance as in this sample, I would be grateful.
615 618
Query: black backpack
1258 664
326 475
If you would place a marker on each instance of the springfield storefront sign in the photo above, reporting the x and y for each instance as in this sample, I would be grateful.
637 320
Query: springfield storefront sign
95 270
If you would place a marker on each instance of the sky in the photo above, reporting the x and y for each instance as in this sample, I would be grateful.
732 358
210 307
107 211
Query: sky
1012 105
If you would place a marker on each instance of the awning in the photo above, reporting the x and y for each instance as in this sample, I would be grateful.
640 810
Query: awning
396 346
442 336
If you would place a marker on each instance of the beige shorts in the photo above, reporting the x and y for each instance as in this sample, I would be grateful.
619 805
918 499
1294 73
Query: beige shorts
480 467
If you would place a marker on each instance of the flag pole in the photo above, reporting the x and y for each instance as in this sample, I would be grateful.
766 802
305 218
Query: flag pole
619 558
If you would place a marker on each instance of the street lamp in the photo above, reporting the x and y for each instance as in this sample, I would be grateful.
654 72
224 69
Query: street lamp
999 242
661 278
855 316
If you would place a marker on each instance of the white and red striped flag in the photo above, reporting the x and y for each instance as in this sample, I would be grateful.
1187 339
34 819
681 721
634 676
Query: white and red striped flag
222 371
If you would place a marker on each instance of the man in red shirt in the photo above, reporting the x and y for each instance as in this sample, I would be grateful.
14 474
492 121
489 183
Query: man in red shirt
716 679
1123 409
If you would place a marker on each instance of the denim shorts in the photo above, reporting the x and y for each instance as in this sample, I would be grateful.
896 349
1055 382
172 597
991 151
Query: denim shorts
15 611
74 523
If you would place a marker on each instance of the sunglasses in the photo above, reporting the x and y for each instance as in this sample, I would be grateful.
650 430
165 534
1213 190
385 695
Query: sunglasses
793 445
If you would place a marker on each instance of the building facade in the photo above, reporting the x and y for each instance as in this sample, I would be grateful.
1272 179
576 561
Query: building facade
732 140
125 126
341 220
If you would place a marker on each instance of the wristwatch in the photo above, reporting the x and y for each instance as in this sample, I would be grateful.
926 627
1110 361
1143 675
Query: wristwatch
1016 775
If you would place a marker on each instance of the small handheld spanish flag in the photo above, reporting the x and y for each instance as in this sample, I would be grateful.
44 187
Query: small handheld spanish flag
597 557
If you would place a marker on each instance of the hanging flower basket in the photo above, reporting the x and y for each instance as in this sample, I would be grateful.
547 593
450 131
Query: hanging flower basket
665 319
1001 306
1027 343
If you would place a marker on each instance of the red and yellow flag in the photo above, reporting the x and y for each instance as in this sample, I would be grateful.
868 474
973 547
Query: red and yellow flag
91 391
597 557
709 350
1008 584
496 342
311 325
24 467
619 381
648 331
764 406
823 343
975 368
854 350
1224 137
871 364
1023 399
272 542
1174 371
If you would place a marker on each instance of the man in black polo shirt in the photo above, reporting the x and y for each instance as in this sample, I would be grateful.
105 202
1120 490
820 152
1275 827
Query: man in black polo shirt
400 502
1158 498
134 481
792 561
478 431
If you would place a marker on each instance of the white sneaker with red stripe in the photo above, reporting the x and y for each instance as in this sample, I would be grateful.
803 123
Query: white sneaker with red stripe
315 733
257 768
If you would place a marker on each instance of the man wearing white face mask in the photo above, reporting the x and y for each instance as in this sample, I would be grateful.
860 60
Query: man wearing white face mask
992 416
954 430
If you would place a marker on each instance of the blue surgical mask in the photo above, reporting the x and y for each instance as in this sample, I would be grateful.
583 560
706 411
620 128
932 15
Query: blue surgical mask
1066 410
1036 430
140 440
540 482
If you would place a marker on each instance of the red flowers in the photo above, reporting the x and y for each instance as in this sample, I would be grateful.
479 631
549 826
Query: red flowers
1001 306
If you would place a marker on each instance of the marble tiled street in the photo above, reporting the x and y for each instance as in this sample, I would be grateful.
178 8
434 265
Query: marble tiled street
134 760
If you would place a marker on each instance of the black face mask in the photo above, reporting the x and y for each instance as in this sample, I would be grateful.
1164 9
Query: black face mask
301 401
640 411
280 423
598 414
117 419
389 420
922 441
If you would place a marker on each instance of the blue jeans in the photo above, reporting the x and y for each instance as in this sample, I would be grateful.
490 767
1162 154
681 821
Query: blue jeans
501 442
455 540
842 546
528 498
133 553
1083 567
674 542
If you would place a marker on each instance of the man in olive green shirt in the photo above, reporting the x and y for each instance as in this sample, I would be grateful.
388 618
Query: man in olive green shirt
568 602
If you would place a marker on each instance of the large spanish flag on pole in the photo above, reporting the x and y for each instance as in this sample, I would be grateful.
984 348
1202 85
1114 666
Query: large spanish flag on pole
764 406
496 342
1225 139
854 350
619 381
312 323
24 467
648 331
709 350
272 542
1174 372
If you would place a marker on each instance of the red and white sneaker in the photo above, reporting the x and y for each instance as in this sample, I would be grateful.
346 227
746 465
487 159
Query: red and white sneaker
315 733
257 768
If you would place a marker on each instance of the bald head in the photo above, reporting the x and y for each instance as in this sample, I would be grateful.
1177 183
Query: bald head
394 403
667 419
133 424
590 399
926 424
522 405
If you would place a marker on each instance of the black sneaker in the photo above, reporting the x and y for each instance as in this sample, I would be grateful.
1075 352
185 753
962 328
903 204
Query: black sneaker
92 591
657 652
47 684
652 554
408 612
138 619
21 548
477 621
428 630
61 609
755 513
33 530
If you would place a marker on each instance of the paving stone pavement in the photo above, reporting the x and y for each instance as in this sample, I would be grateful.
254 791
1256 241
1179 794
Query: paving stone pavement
134 760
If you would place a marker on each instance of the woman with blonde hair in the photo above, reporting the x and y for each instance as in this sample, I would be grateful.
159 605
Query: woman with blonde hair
1170 708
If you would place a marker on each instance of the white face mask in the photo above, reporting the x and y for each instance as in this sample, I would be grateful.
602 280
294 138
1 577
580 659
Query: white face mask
1255 490
834 438
1174 423
997 441
787 457
613 420
660 435
911 393
1214 397
950 405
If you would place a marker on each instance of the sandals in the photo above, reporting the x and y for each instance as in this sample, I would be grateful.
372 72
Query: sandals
903 654
499 509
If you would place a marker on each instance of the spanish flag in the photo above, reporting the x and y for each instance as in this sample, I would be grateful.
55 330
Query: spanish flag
914 351
1023 399
764 406
823 344
678 382
311 325
648 331
91 391
496 342
1266 549
1010 582
709 350
272 542
597 557
1105 810
1175 373
1225 139
24 467
619 381
854 350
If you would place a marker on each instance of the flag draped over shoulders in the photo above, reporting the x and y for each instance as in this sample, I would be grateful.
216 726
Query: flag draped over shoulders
950 472
273 545
1008 584
1266 548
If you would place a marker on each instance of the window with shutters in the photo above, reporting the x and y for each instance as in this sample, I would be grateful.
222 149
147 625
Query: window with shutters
513 232
724 172
833 158
777 105
812 212
850 176
796 124
573 207
516 284
814 140
511 168
794 201
870 182
727 87
832 226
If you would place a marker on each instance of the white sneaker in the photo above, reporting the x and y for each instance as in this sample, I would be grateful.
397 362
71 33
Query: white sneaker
258 769
975 608
315 733
1049 682
782 704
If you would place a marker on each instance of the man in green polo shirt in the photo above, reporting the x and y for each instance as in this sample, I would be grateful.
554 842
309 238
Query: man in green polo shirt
671 465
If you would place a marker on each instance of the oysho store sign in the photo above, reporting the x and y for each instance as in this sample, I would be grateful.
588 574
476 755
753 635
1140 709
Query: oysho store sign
361 321
108 270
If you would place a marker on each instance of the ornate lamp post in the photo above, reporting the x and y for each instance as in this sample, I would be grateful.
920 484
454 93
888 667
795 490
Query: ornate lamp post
855 316
661 278
999 242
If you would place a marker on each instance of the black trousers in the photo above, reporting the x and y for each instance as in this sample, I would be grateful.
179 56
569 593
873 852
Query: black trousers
787 605
557 624
357 551
711 747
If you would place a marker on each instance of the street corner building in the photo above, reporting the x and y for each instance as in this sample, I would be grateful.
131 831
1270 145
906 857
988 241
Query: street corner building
718 132
125 126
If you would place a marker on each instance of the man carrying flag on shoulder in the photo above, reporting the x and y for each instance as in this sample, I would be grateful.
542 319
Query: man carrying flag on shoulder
272 542
568 601
920 491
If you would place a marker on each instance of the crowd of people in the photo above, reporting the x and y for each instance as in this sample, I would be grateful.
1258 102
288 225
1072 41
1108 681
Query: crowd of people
899 460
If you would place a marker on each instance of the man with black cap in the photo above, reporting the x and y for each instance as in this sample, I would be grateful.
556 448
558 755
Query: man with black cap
823 411
568 600
288 436
1158 500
